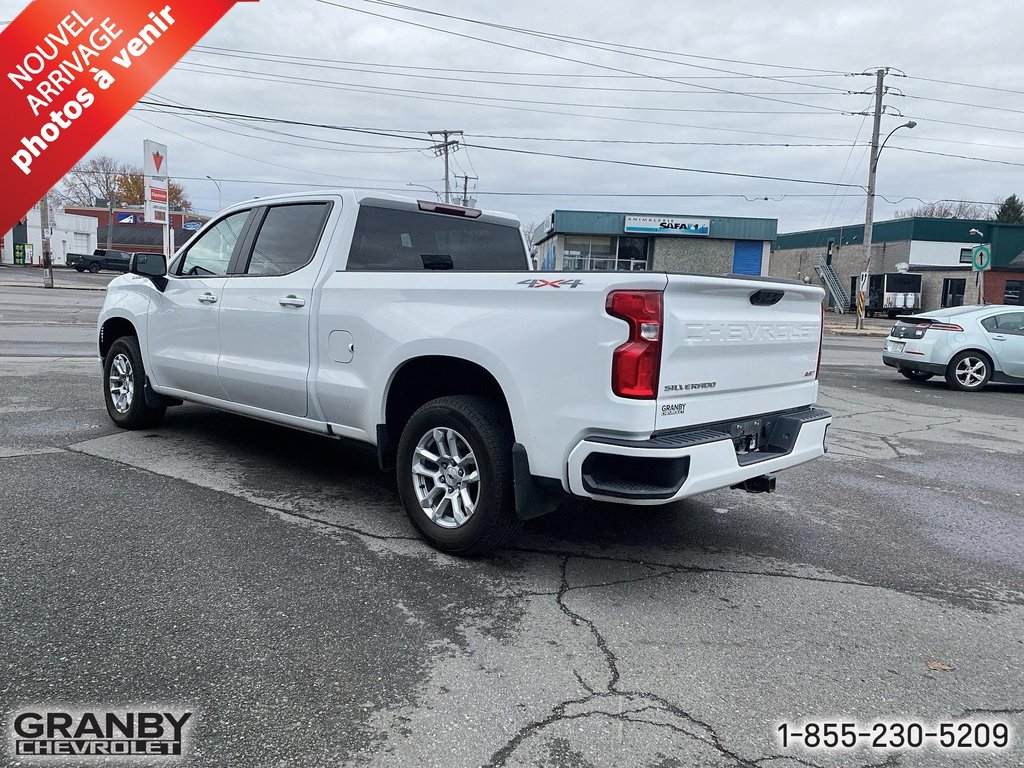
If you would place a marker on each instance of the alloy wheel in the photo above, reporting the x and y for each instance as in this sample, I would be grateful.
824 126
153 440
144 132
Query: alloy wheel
446 477
971 372
122 383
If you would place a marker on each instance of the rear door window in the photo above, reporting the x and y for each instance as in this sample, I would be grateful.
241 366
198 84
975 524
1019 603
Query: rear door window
391 240
1010 322
287 238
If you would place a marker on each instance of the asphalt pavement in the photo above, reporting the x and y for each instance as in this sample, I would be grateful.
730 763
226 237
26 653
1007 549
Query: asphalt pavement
268 581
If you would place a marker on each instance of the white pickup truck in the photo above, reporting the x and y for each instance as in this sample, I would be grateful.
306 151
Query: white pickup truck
492 389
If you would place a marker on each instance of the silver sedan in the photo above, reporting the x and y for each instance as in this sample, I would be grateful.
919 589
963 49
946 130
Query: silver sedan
969 346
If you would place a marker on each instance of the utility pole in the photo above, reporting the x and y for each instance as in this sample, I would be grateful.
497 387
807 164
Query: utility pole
465 189
443 148
869 208
110 220
44 225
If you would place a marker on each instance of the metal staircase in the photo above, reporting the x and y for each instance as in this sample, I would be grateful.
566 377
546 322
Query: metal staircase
832 282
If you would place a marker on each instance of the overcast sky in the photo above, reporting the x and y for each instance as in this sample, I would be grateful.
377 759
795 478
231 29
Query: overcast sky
681 77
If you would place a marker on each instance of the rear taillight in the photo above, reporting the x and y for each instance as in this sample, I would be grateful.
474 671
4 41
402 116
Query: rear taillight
945 327
821 341
636 363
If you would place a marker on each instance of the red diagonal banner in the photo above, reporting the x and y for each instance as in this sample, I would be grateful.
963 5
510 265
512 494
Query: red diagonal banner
69 70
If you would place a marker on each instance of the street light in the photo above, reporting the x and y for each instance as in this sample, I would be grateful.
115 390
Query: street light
424 186
220 195
908 124
869 212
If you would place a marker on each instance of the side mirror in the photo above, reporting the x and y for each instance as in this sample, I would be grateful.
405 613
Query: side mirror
152 265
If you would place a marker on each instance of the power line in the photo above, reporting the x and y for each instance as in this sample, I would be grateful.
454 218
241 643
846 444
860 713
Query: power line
958 157
965 85
240 154
651 142
373 149
346 128
715 128
778 197
317 61
960 103
362 69
419 93
566 58
842 173
660 167
964 125
593 43
504 149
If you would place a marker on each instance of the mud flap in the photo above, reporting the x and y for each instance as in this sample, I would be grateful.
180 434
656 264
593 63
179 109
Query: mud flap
535 496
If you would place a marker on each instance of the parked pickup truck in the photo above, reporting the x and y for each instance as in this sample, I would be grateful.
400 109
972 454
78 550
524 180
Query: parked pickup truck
99 259
493 390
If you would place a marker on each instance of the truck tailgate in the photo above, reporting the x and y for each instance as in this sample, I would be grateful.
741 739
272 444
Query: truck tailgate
735 347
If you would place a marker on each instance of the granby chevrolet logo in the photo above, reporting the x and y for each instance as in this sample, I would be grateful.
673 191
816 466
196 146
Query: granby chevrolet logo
89 734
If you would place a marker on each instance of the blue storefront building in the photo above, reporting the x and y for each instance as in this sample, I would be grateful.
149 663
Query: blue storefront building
672 242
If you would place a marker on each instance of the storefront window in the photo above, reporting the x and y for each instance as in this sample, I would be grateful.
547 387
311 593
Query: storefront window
601 253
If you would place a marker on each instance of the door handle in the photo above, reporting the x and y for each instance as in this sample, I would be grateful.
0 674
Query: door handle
207 298
291 300
999 338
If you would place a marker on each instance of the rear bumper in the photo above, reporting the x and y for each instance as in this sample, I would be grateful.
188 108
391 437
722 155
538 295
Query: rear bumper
910 364
681 463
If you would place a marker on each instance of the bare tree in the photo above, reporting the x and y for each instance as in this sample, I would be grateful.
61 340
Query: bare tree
948 209
89 179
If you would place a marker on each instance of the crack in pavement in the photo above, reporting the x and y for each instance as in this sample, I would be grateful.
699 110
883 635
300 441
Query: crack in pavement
671 569
704 732
635 707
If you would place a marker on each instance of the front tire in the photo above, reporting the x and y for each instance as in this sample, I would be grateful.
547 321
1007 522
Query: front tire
124 386
79 269
455 479
916 375
969 371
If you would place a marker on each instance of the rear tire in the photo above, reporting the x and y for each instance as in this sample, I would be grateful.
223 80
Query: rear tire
916 375
79 269
124 387
94 268
969 371
454 468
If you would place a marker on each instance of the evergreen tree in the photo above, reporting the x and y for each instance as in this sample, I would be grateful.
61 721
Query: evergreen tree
1011 211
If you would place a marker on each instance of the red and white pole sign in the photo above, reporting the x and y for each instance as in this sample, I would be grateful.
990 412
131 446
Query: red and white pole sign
70 70
154 164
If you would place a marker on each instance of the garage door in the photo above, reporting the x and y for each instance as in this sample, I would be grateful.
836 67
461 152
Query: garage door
746 258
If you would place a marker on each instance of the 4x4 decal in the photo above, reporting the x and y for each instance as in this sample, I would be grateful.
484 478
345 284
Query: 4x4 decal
560 283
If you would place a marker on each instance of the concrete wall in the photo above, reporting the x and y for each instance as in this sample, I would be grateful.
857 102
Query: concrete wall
848 261
63 240
703 257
